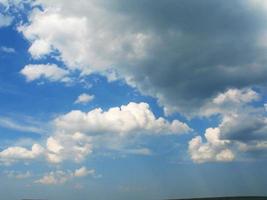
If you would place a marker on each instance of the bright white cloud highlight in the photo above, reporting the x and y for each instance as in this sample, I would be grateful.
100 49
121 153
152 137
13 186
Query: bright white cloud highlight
84 98
73 146
49 71
213 150
133 118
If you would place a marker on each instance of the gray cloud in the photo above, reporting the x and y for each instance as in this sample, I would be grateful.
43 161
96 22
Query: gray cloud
198 49
188 51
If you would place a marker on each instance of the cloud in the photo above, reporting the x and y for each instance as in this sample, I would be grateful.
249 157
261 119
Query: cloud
61 177
18 175
132 118
83 171
7 49
20 126
49 71
174 51
241 131
73 146
192 62
54 178
214 150
77 133
84 98
5 20
236 96
13 154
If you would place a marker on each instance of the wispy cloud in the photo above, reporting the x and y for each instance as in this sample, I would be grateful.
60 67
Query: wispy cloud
21 126
7 49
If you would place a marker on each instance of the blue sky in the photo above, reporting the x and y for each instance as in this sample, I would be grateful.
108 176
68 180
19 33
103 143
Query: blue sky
132 99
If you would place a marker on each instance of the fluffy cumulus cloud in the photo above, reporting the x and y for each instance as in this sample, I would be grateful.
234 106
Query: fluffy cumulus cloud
12 154
75 134
213 150
60 176
49 71
84 98
73 146
172 51
133 118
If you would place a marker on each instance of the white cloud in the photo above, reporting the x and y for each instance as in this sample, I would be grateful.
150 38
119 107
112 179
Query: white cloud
83 171
134 45
236 96
73 146
61 177
242 128
54 178
49 71
70 39
19 126
77 133
229 101
13 154
133 118
39 48
214 149
84 98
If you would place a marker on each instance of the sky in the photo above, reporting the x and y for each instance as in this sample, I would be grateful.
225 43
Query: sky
144 99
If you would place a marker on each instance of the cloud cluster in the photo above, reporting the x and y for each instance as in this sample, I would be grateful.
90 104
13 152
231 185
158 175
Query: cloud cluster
193 62
60 177
242 128
174 51
75 134
213 150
